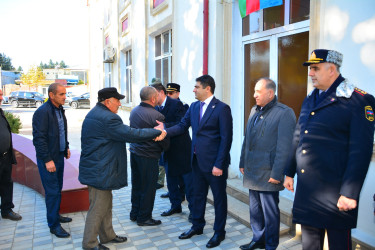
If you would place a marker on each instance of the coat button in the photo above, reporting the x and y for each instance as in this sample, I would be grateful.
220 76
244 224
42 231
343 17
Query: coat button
302 171
303 151
312 113
306 131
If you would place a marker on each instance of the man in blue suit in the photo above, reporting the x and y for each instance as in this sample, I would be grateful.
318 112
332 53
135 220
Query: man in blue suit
212 126
177 161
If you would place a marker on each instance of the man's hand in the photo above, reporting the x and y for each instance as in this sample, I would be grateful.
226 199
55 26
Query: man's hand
68 154
50 166
346 204
273 181
160 126
242 170
217 171
162 136
289 183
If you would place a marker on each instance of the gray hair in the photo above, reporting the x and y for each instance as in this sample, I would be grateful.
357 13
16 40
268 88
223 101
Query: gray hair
270 84
147 93
53 87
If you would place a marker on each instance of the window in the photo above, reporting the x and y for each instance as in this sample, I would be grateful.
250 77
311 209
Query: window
125 25
163 56
291 11
157 3
128 76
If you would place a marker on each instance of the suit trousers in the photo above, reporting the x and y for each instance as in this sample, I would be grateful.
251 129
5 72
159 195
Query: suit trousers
265 217
338 239
6 184
144 178
98 219
174 188
52 183
218 184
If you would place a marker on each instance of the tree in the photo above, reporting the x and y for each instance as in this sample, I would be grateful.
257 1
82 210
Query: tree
63 65
20 69
51 65
6 62
33 77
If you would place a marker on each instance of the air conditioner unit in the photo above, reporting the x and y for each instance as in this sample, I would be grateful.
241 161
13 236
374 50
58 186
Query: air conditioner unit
109 54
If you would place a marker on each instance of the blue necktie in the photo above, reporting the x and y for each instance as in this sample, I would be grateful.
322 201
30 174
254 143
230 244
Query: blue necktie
201 111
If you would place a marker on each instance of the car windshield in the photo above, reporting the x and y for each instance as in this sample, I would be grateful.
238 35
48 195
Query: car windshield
37 94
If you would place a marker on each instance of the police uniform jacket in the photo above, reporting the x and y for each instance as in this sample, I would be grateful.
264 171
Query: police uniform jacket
179 152
332 149
266 146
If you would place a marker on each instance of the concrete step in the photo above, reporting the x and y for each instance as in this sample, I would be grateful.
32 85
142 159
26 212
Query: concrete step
236 190
240 211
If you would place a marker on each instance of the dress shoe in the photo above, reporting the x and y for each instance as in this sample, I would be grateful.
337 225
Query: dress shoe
11 216
98 247
172 211
149 222
190 233
65 219
158 186
59 232
119 239
133 218
165 195
215 240
253 245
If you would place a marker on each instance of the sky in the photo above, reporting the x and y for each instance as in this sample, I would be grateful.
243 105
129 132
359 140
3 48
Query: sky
32 31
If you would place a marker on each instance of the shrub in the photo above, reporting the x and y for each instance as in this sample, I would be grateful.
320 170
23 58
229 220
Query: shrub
14 122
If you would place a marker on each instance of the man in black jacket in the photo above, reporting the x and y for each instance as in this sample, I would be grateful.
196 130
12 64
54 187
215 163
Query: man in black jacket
177 159
50 138
103 164
144 159
6 160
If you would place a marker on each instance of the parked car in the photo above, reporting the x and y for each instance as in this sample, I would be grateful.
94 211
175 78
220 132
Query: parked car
69 96
80 101
26 98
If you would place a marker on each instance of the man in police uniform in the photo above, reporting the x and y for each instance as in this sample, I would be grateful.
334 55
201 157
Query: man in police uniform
6 160
331 153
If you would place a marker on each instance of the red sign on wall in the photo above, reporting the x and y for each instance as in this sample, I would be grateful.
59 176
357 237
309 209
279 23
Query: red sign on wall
157 3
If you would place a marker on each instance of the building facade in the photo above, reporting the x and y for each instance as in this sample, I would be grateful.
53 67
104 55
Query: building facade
133 41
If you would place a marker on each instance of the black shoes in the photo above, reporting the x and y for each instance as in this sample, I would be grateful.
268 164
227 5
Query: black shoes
65 219
158 186
119 239
59 232
133 218
190 233
98 247
172 211
11 216
165 195
253 245
215 240
149 222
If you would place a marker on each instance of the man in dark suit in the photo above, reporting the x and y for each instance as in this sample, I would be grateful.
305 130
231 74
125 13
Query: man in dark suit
6 160
177 161
212 125
331 153
144 158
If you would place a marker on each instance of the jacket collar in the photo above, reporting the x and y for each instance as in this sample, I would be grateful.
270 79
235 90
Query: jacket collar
344 89
146 105
101 105
268 105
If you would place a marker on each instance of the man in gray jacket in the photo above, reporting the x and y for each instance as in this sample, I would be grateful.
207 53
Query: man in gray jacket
265 149
102 166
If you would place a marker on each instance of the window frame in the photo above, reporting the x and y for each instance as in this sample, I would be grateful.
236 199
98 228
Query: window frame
164 55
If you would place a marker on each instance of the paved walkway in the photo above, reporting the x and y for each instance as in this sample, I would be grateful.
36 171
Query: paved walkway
32 231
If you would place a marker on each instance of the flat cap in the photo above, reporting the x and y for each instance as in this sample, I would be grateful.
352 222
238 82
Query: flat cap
173 87
107 93
324 55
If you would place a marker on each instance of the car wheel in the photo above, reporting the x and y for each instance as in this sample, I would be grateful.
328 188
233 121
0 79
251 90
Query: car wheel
38 104
74 105
15 104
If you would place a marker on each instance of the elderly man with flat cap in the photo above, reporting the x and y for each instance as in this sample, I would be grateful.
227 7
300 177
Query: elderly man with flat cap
331 153
103 164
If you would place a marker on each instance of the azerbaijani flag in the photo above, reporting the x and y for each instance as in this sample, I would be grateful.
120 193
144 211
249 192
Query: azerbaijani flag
250 6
